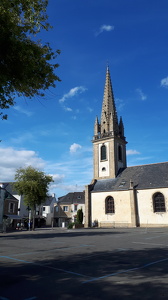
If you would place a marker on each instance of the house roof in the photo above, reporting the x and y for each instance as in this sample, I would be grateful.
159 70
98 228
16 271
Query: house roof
70 198
143 177
8 186
49 200
14 217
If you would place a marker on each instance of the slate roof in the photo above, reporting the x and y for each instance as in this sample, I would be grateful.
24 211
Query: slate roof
143 177
48 201
70 198
8 186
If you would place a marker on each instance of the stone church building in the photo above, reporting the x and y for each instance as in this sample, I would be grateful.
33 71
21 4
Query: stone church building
119 195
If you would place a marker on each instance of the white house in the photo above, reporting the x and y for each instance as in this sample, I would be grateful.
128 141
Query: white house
48 209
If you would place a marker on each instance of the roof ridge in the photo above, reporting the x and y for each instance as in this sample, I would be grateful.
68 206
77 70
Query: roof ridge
164 162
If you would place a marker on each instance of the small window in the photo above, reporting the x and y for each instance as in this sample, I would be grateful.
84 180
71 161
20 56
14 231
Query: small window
110 205
159 203
103 152
65 208
11 207
103 169
56 208
120 153
75 207
43 208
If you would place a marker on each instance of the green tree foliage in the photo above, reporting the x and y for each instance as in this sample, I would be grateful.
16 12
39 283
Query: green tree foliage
79 216
33 184
26 65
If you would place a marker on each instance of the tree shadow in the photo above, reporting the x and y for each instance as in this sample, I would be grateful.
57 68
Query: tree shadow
134 274
39 234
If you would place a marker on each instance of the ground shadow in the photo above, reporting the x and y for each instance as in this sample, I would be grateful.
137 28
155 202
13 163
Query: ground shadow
134 274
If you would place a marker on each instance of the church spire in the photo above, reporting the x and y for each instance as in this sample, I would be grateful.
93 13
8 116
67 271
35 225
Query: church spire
109 119
109 143
96 127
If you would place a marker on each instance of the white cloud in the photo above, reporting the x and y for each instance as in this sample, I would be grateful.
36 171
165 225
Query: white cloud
20 139
141 94
90 109
132 152
57 177
67 108
120 104
11 159
73 92
105 28
71 174
74 147
68 188
65 171
22 110
164 82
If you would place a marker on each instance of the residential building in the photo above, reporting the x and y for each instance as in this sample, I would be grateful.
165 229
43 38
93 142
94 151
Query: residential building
119 195
48 209
44 212
8 210
22 208
65 211
2 199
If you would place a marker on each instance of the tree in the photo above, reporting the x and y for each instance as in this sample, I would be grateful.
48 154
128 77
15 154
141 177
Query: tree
26 67
33 184
79 216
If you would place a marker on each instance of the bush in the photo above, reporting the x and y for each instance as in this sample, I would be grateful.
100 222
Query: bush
70 225
79 216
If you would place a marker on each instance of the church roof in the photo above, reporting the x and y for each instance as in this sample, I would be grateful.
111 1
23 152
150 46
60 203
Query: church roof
143 177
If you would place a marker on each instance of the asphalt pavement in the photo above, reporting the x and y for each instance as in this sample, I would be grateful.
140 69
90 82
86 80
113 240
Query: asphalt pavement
49 264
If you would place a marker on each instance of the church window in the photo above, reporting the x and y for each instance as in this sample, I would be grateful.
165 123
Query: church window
119 153
159 203
110 209
103 169
103 152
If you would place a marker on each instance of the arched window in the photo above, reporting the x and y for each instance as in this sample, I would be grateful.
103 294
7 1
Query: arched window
109 203
159 203
119 153
103 152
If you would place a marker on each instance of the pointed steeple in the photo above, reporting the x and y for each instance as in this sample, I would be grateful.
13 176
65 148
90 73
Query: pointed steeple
109 144
121 128
109 119
96 127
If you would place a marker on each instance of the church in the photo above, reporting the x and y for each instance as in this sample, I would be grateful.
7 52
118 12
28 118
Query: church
121 196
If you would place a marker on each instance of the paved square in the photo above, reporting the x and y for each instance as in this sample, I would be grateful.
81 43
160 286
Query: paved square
84 264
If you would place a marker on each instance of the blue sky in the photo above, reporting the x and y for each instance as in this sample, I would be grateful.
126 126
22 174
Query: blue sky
54 133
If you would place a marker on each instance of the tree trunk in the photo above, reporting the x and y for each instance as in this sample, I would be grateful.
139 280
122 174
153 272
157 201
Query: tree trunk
34 210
